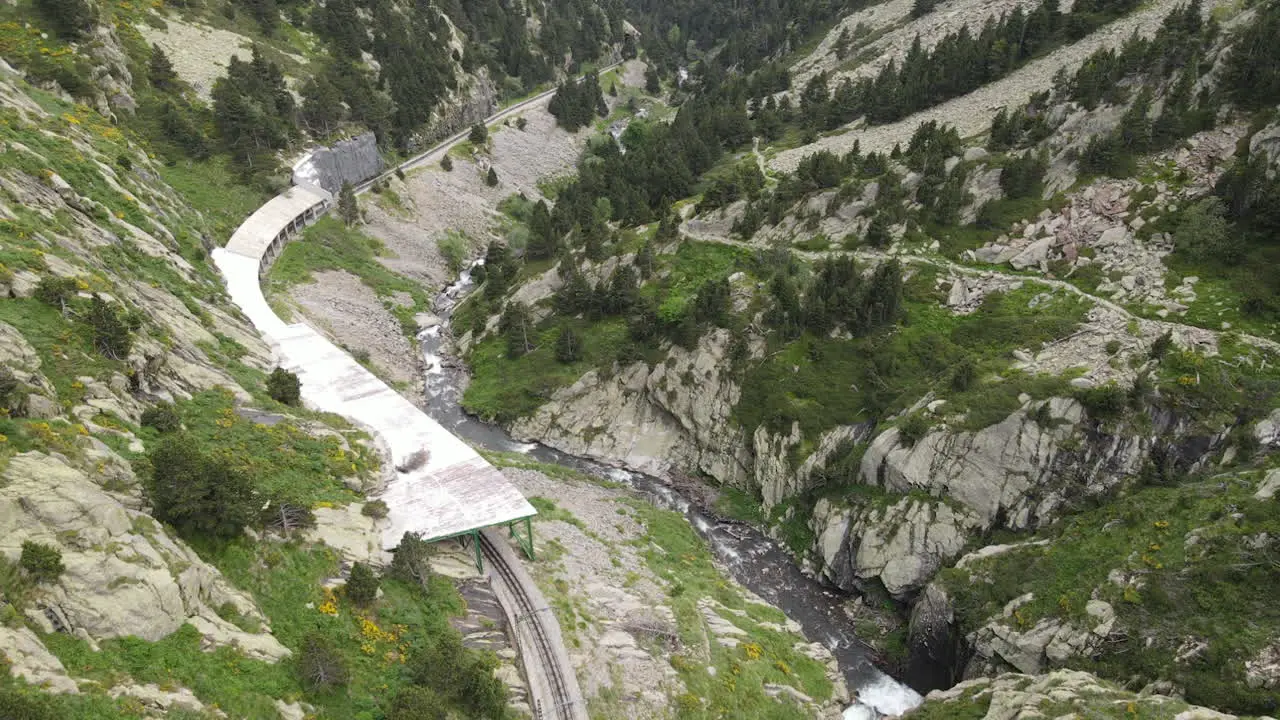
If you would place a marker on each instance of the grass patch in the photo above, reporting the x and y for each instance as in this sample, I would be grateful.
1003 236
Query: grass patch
284 579
883 373
330 245
284 460
1214 588
675 553
211 187
739 505
504 389
549 511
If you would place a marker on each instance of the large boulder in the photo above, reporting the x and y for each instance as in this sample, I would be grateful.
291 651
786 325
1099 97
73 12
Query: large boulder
125 575
900 545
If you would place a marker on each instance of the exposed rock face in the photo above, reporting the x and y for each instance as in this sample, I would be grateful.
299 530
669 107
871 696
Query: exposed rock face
1014 473
30 660
902 545
1058 694
350 161
676 415
124 574
355 535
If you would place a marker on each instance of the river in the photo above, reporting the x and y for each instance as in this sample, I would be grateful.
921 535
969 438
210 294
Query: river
754 560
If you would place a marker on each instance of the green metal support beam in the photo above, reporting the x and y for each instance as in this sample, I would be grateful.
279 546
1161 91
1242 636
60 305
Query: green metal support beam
526 542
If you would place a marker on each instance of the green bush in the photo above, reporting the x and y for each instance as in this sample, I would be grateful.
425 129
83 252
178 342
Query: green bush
374 509
362 585
453 248
284 387
56 291
197 493
913 429
1161 345
411 561
9 385
1204 235
446 163
491 179
479 134
964 374
1106 402
43 563
162 417
320 665
24 707
112 328
417 703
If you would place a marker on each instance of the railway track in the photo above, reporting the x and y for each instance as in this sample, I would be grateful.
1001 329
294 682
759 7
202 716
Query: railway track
562 703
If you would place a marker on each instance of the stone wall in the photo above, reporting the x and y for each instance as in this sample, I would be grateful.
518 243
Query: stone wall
350 161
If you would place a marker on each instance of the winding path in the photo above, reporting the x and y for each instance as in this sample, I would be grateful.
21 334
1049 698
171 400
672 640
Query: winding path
1191 331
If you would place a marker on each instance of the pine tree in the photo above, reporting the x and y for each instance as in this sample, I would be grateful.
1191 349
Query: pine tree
479 134
491 179
652 82
516 326
362 585
644 260
568 346
71 19
348 206
198 493
446 163
322 107
878 233
160 70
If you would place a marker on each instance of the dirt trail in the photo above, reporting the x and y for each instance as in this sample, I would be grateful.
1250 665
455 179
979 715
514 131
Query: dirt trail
1194 333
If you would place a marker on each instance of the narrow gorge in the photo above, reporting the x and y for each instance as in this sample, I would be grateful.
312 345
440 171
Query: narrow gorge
859 359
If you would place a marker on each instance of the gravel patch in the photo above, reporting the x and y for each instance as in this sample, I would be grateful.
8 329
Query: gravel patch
347 310
200 53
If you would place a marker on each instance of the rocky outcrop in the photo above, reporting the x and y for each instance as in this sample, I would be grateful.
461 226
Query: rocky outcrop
30 660
353 160
356 536
674 416
900 545
1063 693
1050 642
125 575
1016 473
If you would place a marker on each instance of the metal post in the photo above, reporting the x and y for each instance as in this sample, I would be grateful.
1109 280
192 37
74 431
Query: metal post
475 540
528 531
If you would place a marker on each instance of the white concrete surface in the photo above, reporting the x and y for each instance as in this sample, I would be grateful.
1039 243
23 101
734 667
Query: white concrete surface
454 490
